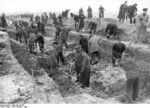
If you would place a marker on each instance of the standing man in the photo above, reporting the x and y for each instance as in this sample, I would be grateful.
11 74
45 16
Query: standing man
83 42
117 50
31 42
123 11
55 19
132 12
60 19
89 11
85 71
3 21
59 49
142 26
41 41
81 21
101 12
130 66
63 36
78 61
57 32
81 11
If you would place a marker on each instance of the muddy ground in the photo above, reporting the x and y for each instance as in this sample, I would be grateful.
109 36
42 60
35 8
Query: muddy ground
69 90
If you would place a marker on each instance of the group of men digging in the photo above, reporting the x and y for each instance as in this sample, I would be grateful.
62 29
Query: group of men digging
88 51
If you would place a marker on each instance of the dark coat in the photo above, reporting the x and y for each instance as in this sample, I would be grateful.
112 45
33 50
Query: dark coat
84 44
3 21
122 11
112 29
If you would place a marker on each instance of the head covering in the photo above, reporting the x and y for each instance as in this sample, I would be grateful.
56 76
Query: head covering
135 4
32 35
39 34
55 42
145 9
77 48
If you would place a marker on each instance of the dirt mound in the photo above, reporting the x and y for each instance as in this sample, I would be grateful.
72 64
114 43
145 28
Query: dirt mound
110 80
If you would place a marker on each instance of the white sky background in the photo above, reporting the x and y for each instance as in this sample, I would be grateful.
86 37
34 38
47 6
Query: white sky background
111 6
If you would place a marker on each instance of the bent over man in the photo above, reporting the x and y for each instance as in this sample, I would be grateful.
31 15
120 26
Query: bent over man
117 51
111 30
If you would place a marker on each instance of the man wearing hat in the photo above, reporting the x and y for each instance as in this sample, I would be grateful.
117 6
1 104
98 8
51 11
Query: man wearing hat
130 66
78 61
85 70
142 26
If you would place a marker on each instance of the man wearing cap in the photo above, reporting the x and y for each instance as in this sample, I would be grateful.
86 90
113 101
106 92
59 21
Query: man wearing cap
85 71
117 51
142 26
130 66
78 61
40 40
122 11
83 42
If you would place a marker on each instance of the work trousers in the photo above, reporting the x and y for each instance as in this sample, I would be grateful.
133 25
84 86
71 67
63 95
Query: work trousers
132 88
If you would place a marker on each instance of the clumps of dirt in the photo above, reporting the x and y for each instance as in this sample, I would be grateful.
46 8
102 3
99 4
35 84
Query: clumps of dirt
23 56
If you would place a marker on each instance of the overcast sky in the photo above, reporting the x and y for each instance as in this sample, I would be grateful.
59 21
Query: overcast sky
112 6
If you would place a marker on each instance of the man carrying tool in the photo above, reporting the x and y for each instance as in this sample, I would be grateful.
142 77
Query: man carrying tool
130 66
117 51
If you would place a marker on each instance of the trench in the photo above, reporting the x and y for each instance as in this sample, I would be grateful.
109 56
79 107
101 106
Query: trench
68 87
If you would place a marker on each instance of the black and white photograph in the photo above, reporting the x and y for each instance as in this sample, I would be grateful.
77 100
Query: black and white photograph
74 52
